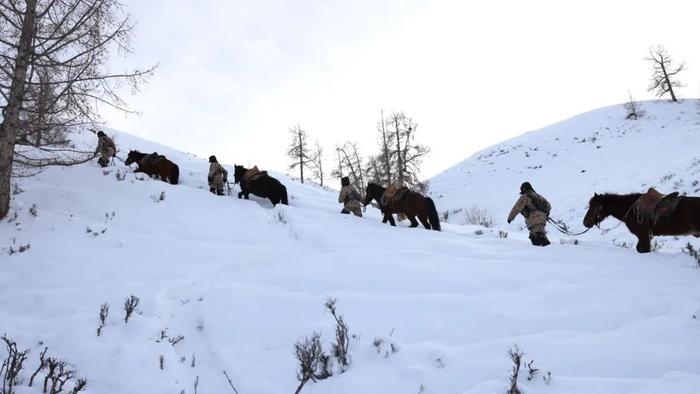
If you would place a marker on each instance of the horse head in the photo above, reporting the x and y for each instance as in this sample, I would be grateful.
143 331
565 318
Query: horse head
133 157
597 212
238 173
373 192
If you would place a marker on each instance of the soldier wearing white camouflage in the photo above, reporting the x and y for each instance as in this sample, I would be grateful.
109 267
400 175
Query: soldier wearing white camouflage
350 198
535 209
217 177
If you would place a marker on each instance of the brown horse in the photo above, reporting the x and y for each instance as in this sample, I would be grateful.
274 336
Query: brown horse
154 165
685 220
412 204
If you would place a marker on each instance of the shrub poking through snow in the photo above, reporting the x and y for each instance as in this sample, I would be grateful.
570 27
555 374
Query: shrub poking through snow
41 367
104 312
20 249
158 197
130 306
532 370
502 234
692 252
342 337
230 382
478 216
12 365
161 362
313 362
33 210
516 356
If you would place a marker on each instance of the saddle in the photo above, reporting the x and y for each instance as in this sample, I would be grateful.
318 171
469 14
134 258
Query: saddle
150 159
394 193
653 206
253 174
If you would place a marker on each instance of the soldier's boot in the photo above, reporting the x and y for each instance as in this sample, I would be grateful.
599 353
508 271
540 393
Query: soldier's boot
345 211
212 190
101 162
220 192
539 239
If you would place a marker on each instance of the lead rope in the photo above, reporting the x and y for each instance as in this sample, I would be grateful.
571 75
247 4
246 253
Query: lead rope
564 231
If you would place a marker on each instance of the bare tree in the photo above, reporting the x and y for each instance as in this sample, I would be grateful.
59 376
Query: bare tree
350 165
633 108
408 155
54 74
317 164
663 80
299 151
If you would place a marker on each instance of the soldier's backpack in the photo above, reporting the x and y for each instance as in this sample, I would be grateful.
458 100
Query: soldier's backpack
540 203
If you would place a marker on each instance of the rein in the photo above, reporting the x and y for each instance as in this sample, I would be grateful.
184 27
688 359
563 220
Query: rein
565 231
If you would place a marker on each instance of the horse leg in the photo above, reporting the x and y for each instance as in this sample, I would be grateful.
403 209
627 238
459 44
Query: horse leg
414 222
644 244
424 220
389 218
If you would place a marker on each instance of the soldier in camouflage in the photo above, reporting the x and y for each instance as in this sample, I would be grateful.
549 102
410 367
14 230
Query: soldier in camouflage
535 209
106 149
217 177
350 198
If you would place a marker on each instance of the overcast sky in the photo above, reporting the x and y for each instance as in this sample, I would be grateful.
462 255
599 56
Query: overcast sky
235 75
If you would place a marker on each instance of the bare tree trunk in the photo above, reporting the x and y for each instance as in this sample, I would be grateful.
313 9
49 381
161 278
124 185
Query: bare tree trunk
10 121
386 154
667 80
301 156
399 161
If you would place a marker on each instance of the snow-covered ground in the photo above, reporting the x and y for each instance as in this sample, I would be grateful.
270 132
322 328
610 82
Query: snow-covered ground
596 152
430 312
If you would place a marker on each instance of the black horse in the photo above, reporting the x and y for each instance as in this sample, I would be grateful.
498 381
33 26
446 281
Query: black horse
263 186
412 204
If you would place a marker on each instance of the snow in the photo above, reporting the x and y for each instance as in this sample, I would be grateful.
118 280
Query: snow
242 281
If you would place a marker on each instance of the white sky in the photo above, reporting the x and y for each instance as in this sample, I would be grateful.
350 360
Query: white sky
234 75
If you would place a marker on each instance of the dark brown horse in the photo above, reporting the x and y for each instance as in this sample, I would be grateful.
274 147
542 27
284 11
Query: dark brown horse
412 204
685 220
154 165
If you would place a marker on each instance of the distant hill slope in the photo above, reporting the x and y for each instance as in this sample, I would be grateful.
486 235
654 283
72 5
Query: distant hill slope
599 151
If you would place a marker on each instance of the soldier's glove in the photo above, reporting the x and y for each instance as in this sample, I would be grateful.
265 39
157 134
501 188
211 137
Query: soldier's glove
209 179
225 180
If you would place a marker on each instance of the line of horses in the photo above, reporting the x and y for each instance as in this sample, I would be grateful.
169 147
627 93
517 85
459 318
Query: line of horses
684 220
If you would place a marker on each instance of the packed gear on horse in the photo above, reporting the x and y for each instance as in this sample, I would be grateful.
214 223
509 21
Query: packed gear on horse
253 174
106 149
535 209
217 176
393 194
150 159
350 198
652 207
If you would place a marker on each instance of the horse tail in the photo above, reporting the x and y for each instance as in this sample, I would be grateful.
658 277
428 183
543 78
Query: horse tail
284 196
175 175
433 217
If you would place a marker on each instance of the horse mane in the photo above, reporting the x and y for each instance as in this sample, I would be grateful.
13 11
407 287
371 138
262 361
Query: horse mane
615 199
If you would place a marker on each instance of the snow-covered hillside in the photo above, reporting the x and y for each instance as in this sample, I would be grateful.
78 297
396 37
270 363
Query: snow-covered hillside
233 284
599 151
